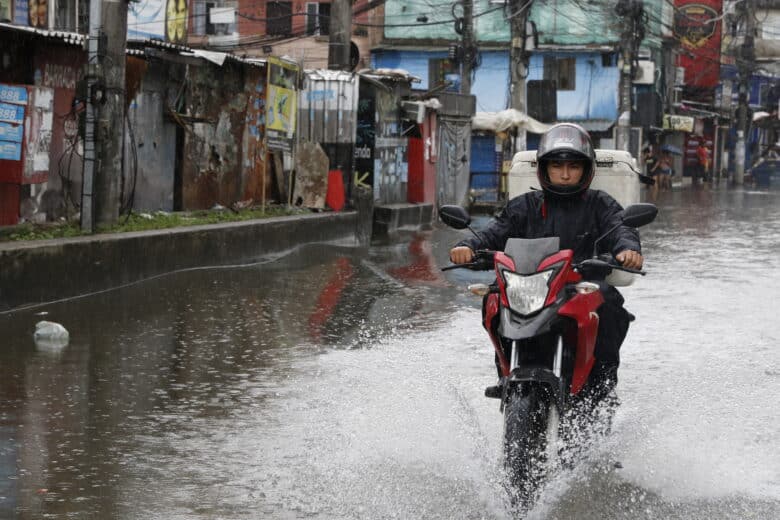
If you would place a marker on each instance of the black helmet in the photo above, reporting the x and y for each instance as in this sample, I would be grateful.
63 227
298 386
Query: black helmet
565 142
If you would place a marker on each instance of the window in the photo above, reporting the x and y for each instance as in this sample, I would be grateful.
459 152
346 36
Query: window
279 19
561 70
213 18
66 15
317 18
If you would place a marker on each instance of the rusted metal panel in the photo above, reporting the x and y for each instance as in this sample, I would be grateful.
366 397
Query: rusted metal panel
256 185
60 68
213 149
9 203
150 137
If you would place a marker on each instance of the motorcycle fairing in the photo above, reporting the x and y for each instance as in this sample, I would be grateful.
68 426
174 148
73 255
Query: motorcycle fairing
528 253
582 308
491 308
516 327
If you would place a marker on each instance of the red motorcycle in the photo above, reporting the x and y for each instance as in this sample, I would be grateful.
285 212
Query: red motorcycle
540 314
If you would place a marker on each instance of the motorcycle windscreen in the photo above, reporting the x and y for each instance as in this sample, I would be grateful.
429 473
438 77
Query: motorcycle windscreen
528 253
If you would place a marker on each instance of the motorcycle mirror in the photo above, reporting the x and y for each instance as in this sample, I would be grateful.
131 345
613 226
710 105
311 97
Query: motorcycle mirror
637 215
455 217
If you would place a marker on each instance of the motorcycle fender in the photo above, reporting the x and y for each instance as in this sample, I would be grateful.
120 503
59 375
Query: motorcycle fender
516 327
541 375
582 308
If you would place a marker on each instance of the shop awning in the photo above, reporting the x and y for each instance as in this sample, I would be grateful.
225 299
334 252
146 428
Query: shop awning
506 119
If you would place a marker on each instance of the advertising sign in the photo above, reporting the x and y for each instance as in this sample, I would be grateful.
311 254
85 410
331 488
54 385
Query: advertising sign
13 95
10 151
681 123
282 104
11 133
5 11
21 13
13 114
697 25
176 21
146 19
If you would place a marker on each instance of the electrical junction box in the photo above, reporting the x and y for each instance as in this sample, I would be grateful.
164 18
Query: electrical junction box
644 73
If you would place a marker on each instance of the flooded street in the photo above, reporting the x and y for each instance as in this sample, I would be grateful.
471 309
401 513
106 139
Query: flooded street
340 383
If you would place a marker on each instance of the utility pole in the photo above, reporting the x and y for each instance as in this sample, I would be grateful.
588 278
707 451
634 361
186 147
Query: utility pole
340 31
111 122
93 75
632 12
105 113
746 65
518 62
468 47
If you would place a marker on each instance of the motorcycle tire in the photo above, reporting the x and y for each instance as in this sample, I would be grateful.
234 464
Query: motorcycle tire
529 416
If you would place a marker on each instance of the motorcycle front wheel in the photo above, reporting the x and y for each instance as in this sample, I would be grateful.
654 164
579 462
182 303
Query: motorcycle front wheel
531 425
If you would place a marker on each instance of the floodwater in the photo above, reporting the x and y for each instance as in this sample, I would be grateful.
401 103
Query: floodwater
341 383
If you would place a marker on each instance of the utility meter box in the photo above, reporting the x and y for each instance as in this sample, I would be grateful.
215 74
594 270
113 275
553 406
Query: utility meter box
616 173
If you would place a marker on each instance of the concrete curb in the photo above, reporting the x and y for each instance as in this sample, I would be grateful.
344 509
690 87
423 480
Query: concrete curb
42 271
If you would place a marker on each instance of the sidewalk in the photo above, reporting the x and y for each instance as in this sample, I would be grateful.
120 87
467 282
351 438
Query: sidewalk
46 270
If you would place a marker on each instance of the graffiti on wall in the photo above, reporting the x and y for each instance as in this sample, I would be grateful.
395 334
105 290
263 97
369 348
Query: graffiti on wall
365 139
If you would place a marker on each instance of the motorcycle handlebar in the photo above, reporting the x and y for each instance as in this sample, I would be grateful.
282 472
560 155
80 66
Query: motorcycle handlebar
482 261
602 264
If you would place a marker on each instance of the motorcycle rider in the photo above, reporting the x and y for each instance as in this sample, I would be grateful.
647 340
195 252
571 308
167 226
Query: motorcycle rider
567 208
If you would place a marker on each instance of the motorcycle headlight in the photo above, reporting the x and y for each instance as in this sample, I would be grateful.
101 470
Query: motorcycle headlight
527 294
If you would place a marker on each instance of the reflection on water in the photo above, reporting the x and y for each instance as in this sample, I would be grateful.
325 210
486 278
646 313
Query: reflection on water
345 383
163 361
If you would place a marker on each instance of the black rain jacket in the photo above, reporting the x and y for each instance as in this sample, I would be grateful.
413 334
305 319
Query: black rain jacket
577 221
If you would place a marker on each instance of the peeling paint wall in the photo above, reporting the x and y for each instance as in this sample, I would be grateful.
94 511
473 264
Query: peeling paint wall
212 165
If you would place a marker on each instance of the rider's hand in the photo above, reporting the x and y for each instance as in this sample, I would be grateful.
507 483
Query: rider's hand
461 255
629 258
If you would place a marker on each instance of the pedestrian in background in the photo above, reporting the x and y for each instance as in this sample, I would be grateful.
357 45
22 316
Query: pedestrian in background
650 163
664 169
703 159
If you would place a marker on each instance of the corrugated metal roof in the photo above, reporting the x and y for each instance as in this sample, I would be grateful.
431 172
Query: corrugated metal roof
136 47
70 38
157 44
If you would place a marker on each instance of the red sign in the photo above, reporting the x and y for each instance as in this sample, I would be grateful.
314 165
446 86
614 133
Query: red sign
698 28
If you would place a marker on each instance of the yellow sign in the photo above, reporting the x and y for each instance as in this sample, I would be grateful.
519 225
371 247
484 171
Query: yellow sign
681 123
281 109
282 103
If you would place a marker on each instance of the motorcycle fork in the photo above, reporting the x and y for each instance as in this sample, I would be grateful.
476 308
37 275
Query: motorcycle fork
541 362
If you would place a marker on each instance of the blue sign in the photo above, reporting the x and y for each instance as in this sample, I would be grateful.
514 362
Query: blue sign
21 12
13 95
10 151
9 132
12 113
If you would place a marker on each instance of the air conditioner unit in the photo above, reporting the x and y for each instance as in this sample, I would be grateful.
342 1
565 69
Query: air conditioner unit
645 73
413 110
679 76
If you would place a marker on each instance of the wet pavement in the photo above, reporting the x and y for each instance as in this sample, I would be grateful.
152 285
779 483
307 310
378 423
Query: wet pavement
347 383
